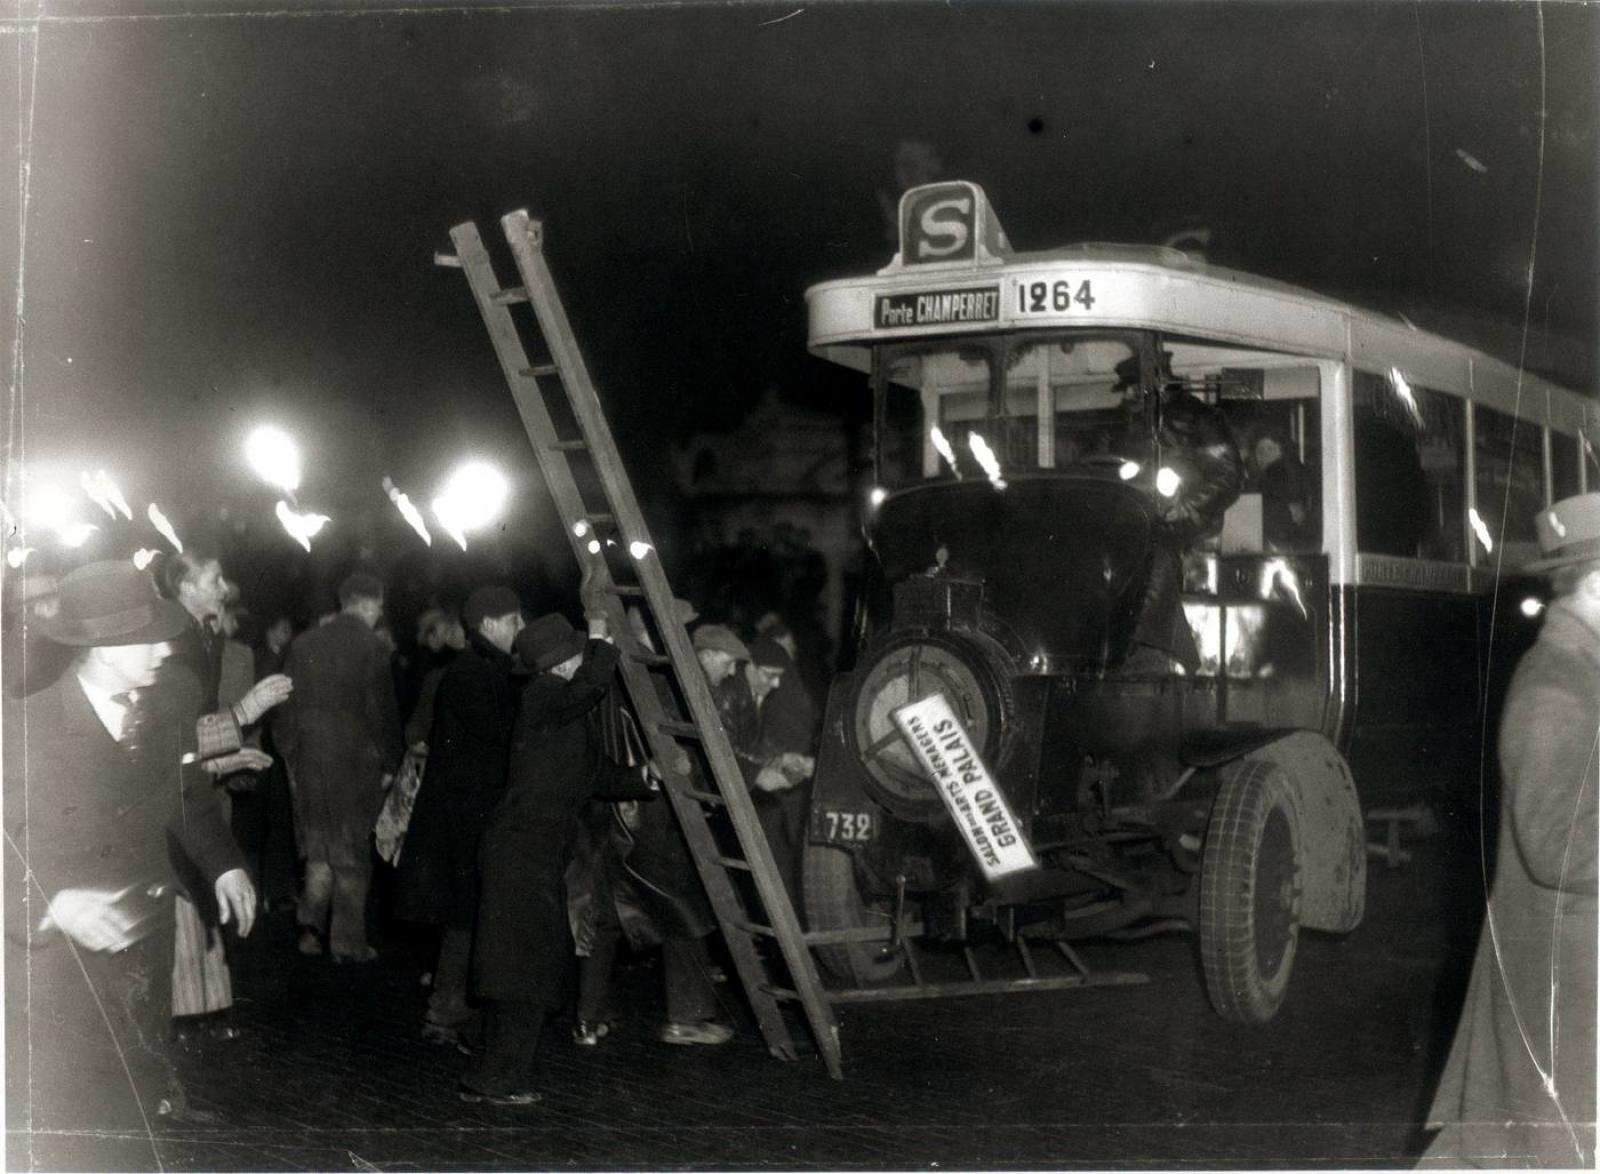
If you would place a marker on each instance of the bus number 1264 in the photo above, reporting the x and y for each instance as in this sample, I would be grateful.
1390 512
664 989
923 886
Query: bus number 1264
1052 297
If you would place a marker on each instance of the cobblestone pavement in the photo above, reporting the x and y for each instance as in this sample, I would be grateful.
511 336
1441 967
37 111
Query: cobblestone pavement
333 1074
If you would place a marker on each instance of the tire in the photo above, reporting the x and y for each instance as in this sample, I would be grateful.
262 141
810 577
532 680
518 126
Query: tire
1250 881
833 901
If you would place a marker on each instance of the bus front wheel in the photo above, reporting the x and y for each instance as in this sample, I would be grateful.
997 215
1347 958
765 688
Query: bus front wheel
1250 880
833 901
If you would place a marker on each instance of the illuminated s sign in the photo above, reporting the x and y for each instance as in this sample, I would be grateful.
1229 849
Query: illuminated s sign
948 223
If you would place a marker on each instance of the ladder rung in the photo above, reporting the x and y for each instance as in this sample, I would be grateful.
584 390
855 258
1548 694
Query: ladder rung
627 591
752 927
781 992
735 862
678 729
509 296
540 370
568 445
596 519
447 260
656 658
706 796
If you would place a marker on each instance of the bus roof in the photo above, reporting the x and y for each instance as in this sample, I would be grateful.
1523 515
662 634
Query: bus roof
955 274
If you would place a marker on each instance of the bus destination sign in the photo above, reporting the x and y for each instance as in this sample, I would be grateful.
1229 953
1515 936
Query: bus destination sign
938 307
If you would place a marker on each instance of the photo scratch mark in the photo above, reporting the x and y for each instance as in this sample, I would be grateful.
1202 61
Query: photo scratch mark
781 19
1472 162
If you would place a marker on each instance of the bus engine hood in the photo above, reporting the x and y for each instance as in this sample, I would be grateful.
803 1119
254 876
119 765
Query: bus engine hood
1063 560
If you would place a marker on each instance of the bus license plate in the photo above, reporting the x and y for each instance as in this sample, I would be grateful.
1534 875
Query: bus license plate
845 827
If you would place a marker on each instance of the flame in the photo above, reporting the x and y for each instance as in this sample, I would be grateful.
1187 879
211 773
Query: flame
408 511
1277 572
105 494
48 508
274 457
639 549
163 527
942 446
301 527
1168 482
1480 530
1532 606
18 555
472 498
1128 470
143 557
878 496
77 533
987 461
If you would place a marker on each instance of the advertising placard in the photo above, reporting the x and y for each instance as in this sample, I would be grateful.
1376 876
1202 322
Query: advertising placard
969 792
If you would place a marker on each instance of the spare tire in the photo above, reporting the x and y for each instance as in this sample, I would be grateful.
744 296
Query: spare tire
965 670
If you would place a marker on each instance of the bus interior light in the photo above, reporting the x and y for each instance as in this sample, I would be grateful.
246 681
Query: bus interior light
1128 470
1532 606
1168 482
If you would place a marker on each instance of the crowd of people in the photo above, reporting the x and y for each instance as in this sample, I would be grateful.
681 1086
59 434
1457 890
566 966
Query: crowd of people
166 783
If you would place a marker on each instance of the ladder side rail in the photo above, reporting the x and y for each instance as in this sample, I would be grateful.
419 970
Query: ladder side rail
525 238
525 393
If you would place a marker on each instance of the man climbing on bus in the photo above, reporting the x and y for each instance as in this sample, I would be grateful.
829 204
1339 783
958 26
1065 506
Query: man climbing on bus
1187 450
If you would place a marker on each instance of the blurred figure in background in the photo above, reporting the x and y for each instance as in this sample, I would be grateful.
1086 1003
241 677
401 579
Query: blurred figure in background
341 738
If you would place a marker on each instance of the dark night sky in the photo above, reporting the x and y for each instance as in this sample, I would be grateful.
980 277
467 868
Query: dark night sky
231 218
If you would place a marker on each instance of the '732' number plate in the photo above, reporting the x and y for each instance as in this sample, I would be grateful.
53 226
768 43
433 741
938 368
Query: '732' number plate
845 827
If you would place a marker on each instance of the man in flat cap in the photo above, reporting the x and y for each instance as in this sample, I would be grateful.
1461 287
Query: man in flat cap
1519 1086
102 800
468 748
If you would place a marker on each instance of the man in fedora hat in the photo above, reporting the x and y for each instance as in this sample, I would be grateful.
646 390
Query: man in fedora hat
101 787
1519 1086
523 956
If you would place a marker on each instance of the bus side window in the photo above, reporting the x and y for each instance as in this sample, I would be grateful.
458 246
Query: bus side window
1410 471
1565 477
1280 508
1510 482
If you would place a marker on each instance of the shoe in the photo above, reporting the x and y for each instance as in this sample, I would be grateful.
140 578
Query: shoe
310 944
587 1033
191 1032
705 1032
472 1096
368 954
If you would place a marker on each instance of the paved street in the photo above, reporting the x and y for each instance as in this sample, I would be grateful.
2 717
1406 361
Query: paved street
333 1075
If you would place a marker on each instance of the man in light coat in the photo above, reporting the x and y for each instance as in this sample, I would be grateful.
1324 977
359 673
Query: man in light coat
341 738
1519 1086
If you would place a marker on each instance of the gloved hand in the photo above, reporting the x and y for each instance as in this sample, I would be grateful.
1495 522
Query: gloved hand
245 758
590 591
263 695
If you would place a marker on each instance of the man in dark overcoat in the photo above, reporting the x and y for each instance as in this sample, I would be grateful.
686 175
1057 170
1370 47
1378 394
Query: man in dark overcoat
1519 1086
523 961
469 745
341 739
102 800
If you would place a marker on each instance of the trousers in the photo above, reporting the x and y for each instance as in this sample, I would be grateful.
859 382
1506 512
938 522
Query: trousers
333 901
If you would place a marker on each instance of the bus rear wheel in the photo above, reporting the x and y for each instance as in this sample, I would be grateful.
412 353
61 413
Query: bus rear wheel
1250 878
833 901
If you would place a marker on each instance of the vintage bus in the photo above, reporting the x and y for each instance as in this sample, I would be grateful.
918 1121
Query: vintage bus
1345 607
